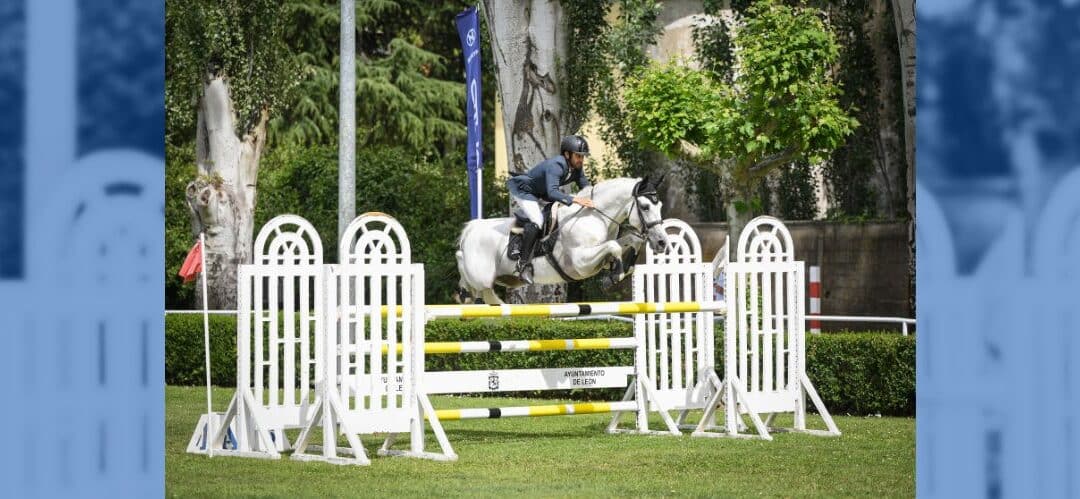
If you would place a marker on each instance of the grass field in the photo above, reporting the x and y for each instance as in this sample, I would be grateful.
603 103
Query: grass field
562 456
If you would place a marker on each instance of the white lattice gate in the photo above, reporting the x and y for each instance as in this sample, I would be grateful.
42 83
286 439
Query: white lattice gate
674 370
279 318
374 352
764 343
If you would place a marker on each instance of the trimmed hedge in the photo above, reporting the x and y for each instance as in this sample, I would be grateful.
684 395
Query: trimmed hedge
184 357
855 373
863 373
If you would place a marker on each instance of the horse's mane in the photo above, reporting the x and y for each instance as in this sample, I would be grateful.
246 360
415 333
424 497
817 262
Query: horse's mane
604 190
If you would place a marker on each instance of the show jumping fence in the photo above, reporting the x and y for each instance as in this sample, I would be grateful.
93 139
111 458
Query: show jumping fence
342 362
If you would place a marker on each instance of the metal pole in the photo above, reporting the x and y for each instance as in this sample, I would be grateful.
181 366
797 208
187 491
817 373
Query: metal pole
480 190
815 298
206 348
347 119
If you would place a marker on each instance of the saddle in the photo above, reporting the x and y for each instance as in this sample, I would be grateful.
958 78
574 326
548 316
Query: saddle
548 233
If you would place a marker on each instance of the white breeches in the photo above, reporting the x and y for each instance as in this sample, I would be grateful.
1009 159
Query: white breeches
532 210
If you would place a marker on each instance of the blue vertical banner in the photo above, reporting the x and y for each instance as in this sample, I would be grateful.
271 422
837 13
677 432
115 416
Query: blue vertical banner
468 25
12 137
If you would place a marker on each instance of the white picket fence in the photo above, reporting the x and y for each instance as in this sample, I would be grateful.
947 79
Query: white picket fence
340 347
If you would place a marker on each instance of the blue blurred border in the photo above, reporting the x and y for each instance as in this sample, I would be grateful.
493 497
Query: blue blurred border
998 239
81 281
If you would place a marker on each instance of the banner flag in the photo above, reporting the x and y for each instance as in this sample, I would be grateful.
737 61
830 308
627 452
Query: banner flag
468 25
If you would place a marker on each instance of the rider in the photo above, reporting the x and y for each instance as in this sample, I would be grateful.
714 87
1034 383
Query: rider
542 183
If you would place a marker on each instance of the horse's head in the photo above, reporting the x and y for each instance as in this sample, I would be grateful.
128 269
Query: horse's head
646 213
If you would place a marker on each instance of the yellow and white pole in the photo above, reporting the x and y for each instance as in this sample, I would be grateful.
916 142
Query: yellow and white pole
532 411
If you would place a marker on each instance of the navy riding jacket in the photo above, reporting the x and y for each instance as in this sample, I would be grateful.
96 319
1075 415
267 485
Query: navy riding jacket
544 179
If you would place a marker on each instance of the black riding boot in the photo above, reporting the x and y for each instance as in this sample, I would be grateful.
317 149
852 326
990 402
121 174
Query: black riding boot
528 244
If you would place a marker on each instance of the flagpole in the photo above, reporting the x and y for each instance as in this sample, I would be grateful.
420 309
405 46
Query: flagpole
480 167
206 348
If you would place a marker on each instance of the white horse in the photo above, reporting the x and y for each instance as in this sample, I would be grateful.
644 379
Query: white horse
589 238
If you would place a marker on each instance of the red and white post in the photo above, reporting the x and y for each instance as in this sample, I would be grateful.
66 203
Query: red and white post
815 298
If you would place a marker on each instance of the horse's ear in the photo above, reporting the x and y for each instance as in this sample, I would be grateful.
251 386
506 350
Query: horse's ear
642 185
660 180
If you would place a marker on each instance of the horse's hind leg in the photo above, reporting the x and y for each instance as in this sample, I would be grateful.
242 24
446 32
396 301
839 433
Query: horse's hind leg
491 298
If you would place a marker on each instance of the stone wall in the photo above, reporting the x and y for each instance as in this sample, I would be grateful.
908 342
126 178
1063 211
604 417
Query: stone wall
864 267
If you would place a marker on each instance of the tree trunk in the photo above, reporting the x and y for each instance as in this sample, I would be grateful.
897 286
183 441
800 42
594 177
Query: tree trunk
889 175
526 41
222 198
736 223
737 220
904 19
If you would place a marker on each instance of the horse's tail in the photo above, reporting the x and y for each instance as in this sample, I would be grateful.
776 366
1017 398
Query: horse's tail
466 288
461 239
460 254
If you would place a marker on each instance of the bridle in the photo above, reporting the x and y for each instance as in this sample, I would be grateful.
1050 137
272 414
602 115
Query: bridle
627 225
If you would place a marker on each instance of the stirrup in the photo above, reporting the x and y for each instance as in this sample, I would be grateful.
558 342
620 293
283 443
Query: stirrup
525 273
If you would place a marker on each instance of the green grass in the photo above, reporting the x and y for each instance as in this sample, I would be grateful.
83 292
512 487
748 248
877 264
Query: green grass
562 456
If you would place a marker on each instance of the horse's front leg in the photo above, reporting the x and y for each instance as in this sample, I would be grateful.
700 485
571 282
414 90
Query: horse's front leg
590 260
632 246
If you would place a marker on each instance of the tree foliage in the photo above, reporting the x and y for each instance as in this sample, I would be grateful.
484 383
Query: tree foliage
241 40
410 106
853 165
585 28
408 81
867 44
602 56
404 106
781 106
179 170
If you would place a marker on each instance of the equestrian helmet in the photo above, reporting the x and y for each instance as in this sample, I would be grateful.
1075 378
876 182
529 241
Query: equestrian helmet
575 144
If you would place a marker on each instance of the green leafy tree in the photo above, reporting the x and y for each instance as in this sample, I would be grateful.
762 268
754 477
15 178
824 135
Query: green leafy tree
781 106
602 55
246 76
227 69
409 89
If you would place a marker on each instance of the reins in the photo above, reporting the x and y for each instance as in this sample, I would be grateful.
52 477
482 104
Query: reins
623 226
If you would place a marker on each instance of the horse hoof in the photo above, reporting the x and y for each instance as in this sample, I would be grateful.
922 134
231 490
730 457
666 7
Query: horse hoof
462 297
616 268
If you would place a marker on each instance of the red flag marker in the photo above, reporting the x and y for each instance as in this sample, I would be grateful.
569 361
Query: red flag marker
192 263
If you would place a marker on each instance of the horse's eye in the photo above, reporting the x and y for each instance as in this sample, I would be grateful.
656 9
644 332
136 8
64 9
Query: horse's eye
645 207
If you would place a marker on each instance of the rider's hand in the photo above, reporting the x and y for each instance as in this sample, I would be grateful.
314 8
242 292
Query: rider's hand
586 202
